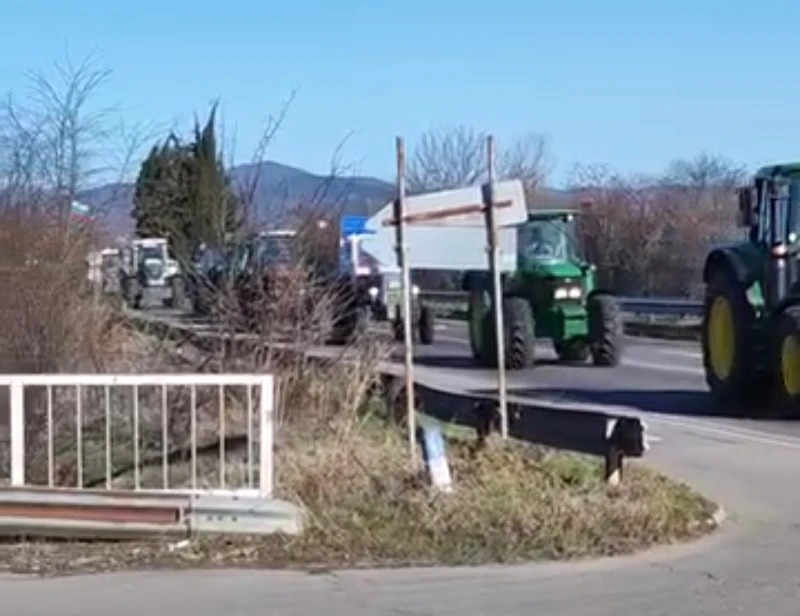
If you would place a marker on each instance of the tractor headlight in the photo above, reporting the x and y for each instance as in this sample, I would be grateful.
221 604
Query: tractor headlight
373 292
568 293
414 290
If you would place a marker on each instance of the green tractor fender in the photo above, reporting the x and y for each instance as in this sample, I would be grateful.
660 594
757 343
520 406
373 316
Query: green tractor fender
736 262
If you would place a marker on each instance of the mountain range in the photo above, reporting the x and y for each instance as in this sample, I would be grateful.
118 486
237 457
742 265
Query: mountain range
275 188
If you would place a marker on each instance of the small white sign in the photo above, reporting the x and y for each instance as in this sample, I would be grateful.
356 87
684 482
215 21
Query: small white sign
436 458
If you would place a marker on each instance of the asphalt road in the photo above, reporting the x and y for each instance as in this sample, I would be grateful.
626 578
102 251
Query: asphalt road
750 566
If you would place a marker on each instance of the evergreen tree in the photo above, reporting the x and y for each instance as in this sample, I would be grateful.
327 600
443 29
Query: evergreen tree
182 193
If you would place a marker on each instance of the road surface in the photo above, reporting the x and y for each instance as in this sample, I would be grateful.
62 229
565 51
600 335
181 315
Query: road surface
751 566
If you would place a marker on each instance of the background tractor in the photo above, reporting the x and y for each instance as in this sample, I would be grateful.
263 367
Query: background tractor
751 321
378 291
550 294
146 267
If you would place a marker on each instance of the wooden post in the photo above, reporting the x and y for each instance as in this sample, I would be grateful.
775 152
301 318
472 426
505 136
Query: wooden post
402 261
497 289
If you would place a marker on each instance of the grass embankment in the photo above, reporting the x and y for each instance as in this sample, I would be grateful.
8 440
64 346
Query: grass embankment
511 503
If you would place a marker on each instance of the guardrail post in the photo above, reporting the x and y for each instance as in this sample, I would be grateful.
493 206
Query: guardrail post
17 427
266 437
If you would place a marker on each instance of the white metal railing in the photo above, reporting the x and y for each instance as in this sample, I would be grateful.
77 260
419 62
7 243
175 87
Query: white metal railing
37 418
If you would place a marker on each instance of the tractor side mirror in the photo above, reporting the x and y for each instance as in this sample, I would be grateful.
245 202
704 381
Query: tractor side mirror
746 213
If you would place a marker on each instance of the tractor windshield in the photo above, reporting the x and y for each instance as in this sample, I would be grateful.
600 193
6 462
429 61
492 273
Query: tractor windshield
549 239
150 252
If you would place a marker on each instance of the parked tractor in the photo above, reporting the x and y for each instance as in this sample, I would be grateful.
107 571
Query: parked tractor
146 267
751 322
550 294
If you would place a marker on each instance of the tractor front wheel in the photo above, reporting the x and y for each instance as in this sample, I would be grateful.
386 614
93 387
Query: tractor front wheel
786 359
605 329
574 350
426 325
131 292
520 333
178 295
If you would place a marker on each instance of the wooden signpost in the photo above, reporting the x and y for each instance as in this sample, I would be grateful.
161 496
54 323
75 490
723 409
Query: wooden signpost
448 209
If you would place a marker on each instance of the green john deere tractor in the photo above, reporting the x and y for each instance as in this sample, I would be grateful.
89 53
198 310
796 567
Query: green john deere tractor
550 294
751 321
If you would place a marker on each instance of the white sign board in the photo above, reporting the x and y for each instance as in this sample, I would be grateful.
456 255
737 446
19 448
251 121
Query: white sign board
461 207
455 242
457 248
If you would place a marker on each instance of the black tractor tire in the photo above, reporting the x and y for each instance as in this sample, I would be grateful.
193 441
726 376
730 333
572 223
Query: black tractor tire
200 304
786 360
177 298
740 382
398 326
349 320
350 325
520 333
427 325
132 293
605 329
573 350
478 313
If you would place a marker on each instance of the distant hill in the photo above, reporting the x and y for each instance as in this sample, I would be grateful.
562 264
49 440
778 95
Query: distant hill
277 188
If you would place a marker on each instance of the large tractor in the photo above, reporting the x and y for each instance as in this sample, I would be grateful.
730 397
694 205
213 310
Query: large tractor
550 294
751 322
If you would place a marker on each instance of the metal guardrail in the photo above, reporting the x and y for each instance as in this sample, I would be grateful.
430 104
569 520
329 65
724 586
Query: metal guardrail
634 305
82 452
589 429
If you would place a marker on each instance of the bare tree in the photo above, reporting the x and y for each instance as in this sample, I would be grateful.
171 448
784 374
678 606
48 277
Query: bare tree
454 157
650 235
52 137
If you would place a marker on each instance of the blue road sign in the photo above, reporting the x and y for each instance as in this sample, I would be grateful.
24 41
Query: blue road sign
354 225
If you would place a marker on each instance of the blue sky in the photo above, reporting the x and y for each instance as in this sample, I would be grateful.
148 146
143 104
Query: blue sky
632 84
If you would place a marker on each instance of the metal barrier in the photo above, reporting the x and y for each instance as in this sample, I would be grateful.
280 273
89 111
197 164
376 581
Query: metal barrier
672 306
49 444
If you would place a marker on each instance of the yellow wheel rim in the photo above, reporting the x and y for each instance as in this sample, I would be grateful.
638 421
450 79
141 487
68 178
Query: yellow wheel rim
790 365
721 338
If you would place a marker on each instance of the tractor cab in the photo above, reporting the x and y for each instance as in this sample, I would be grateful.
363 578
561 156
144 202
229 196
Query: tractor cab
769 208
549 236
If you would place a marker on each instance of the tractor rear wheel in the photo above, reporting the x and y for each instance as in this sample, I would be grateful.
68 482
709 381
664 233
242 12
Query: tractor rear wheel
728 358
477 311
605 329
786 359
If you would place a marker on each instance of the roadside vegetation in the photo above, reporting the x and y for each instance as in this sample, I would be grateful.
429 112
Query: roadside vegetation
340 454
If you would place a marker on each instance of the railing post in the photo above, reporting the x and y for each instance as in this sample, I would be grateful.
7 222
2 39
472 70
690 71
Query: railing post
266 437
17 427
